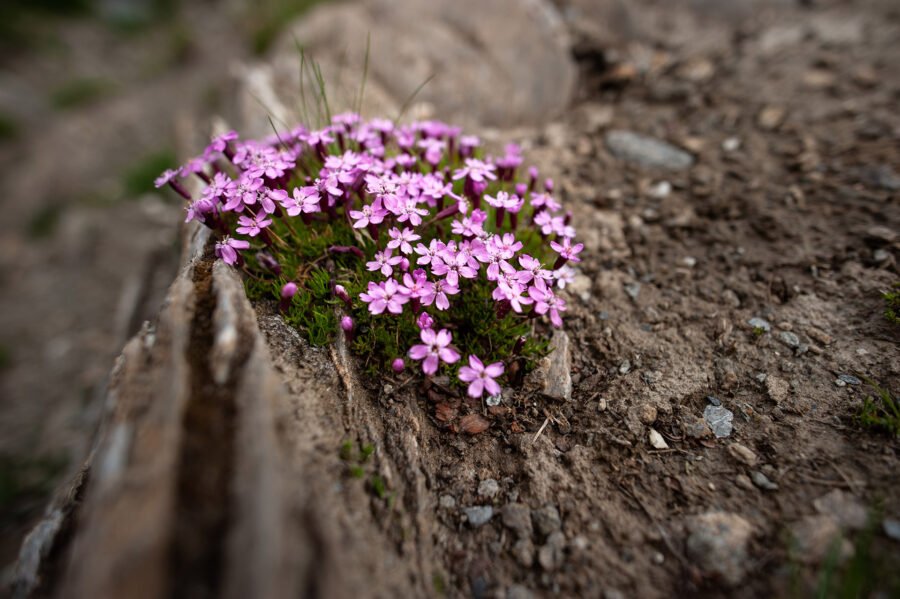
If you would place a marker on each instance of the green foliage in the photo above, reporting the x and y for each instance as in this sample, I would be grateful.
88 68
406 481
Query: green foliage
80 92
881 411
141 175
892 304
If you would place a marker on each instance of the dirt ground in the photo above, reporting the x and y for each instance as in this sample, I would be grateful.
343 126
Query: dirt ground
775 198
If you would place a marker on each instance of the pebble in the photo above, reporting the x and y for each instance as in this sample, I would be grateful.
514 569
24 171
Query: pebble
657 441
717 543
517 517
770 117
790 339
554 373
647 414
633 289
819 335
447 501
719 419
761 480
849 379
602 405
777 388
760 323
523 551
647 151
660 190
625 367
552 553
479 515
744 482
731 144
891 528
839 383
696 428
493 400
546 519
488 488
743 453
713 400
846 509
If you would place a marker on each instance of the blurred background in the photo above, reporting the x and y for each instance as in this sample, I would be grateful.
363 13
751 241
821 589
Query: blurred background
90 91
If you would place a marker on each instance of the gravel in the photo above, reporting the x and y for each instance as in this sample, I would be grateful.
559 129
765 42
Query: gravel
647 151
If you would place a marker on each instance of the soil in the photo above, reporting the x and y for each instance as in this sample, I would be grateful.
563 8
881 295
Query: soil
789 213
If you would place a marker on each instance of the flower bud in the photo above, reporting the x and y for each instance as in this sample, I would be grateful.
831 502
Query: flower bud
342 294
521 189
425 321
398 365
287 294
347 324
548 184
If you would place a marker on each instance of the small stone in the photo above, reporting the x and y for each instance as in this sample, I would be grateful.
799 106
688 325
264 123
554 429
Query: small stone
770 117
762 481
731 144
647 151
447 501
696 428
633 289
523 551
761 377
719 420
849 379
493 401
517 517
839 383
657 441
546 519
744 482
815 538
777 388
847 511
479 515
689 261
819 335
760 323
602 404
647 414
552 553
713 400
880 255
743 453
891 528
612 593
661 190
625 367
488 488
717 542
554 373
790 339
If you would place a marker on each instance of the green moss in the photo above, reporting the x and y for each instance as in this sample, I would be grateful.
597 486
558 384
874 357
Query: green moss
881 411
892 304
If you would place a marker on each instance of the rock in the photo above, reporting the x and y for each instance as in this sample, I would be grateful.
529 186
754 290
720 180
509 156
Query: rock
819 335
731 144
613 593
660 190
647 414
762 481
719 419
523 551
744 482
713 400
447 501
839 383
552 553
849 379
479 515
770 117
815 538
554 373
488 488
647 151
760 323
717 543
625 367
695 427
777 388
546 520
885 177
891 528
657 441
790 339
596 116
743 454
633 290
846 509
517 517
517 591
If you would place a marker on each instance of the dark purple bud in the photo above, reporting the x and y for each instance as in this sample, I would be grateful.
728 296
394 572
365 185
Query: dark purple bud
398 365
347 324
265 260
342 294
548 185
287 294
520 343
521 189
347 249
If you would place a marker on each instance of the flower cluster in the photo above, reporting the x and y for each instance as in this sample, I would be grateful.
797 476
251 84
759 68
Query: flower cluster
411 230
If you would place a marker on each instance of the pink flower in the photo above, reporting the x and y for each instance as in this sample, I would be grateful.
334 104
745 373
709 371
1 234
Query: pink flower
305 199
566 250
476 170
425 321
436 293
252 225
373 214
402 239
384 262
227 249
545 301
481 377
434 348
384 296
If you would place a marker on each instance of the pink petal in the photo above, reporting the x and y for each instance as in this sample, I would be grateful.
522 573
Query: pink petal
467 375
417 352
476 388
492 387
476 364
378 306
494 370
427 336
430 365
444 338
449 355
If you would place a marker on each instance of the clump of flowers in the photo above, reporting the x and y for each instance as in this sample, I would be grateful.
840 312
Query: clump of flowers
406 239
